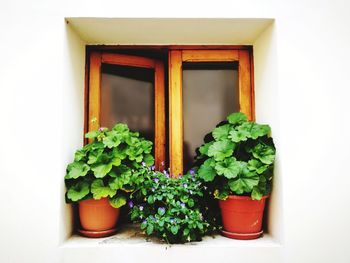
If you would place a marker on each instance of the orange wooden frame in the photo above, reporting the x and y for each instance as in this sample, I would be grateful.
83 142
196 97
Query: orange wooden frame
94 105
177 55
176 58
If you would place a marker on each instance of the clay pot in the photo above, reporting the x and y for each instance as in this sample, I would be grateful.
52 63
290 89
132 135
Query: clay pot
242 217
97 217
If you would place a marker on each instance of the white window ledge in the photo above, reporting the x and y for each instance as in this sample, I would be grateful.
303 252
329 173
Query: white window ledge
132 245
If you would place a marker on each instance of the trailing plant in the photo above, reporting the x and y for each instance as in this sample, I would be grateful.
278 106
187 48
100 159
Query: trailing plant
109 166
172 209
237 158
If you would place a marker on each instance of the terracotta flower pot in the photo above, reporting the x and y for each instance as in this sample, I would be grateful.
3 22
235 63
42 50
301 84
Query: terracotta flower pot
242 217
97 218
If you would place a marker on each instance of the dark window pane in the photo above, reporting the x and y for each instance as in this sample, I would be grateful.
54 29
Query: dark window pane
127 96
210 93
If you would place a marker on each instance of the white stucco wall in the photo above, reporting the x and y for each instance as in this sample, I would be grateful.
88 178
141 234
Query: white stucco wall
302 90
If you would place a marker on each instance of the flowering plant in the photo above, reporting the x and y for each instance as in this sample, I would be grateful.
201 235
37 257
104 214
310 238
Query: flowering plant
109 166
237 158
171 208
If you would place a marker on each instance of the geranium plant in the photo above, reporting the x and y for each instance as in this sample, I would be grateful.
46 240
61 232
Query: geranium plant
173 209
108 166
237 158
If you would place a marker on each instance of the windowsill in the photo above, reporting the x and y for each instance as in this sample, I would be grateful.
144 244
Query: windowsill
131 245
132 236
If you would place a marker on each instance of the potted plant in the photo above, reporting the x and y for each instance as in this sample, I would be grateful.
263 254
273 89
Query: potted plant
237 164
102 174
173 209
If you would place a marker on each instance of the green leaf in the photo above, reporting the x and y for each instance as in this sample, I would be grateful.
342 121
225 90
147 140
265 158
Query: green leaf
256 194
229 167
150 200
259 130
99 190
121 127
237 118
143 225
221 132
204 148
148 159
186 232
92 134
120 153
161 211
112 140
206 171
119 181
243 184
100 170
221 149
174 229
76 169
150 229
79 155
118 201
190 202
255 165
116 161
238 136
95 156
265 153
146 146
78 191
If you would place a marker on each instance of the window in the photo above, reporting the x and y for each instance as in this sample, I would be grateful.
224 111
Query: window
173 95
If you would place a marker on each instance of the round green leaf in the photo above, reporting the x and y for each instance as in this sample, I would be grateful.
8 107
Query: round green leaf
99 190
237 118
100 170
229 167
78 191
265 153
221 132
221 149
205 147
117 201
206 171
76 169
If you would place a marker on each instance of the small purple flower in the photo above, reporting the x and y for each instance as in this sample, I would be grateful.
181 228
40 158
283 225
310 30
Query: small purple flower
180 174
141 207
152 189
101 129
191 192
144 221
162 163
191 172
184 185
183 205
171 220
153 167
161 209
130 204
143 164
156 180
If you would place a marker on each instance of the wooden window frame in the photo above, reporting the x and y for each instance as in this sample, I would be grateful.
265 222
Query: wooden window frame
176 59
177 54
94 94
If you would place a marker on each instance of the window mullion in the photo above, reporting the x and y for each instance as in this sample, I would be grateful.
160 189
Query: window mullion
175 113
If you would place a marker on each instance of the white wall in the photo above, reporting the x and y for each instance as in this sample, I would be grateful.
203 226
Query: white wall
302 89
